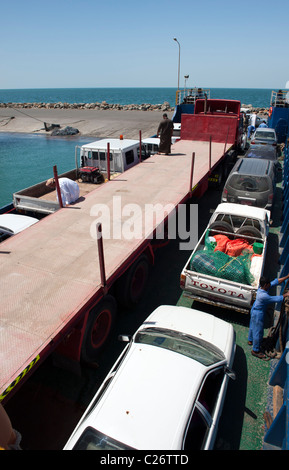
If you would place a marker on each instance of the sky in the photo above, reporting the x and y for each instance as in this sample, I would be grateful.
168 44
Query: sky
113 43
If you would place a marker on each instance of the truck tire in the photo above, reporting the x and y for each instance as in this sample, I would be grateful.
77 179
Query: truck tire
250 231
98 329
221 226
130 287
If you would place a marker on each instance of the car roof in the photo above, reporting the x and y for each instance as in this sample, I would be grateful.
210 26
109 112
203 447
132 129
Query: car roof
15 223
265 129
151 140
265 152
115 144
190 321
133 410
252 166
140 402
242 211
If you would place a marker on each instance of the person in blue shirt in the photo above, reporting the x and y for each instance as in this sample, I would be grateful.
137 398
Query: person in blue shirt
263 124
258 312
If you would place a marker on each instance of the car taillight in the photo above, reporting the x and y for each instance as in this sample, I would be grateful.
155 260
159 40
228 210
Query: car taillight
270 197
225 194
253 142
183 280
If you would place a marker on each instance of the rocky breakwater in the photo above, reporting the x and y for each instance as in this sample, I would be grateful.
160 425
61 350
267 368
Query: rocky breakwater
249 108
126 107
97 106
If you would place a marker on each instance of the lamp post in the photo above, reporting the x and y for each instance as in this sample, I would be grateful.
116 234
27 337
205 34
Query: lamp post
175 39
186 78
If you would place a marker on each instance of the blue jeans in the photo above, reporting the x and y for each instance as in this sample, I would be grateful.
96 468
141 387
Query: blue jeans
256 329
250 130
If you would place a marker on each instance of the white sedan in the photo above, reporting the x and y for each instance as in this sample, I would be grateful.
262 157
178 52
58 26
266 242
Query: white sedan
11 224
166 390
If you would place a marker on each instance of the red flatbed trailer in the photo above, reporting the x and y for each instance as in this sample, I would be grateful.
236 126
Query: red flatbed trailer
52 286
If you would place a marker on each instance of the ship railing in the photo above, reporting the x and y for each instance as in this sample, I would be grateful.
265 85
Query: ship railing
277 436
280 98
190 95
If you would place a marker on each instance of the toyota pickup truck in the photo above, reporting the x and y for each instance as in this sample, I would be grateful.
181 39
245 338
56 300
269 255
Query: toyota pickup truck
225 267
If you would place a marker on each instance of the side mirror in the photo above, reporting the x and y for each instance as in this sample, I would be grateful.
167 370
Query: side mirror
230 373
124 338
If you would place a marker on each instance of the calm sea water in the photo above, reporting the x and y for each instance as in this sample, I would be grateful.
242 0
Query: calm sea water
28 159
256 97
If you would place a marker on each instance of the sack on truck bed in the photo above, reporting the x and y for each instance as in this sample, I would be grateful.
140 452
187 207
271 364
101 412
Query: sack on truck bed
219 264
231 247
237 246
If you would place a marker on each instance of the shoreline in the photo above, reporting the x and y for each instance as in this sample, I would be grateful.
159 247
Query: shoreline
91 122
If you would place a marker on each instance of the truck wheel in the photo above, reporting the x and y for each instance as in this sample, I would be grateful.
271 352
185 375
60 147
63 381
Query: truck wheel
221 226
98 328
131 285
250 231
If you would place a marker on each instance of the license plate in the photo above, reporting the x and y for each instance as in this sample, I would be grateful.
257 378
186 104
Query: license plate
247 203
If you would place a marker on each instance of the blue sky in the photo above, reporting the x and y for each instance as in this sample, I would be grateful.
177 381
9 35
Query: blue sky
111 43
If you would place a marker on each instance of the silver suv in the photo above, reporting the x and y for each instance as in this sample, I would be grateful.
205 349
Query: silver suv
264 136
251 182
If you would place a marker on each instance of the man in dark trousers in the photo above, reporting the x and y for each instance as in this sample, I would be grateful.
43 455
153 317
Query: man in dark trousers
165 132
258 312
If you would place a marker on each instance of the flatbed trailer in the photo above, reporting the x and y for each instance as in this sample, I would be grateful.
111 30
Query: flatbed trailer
59 284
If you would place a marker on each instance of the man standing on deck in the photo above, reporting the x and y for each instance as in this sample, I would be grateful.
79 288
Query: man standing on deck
165 132
258 312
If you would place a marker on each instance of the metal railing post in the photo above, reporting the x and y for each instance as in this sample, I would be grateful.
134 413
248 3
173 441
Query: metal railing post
192 172
210 155
139 146
57 186
108 161
101 255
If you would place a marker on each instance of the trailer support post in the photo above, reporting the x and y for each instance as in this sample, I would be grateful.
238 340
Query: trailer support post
101 256
108 161
192 173
57 186
139 146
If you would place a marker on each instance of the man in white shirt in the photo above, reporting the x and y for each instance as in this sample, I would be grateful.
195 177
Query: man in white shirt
252 124
69 189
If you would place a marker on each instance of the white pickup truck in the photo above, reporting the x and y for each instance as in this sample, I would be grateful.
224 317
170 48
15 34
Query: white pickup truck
226 265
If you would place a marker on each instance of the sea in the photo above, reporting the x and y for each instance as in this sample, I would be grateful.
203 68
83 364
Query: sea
28 159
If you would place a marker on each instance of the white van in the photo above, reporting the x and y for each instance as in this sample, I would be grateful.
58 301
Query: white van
123 154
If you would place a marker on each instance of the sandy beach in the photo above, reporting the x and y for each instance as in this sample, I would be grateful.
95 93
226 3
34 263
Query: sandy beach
89 122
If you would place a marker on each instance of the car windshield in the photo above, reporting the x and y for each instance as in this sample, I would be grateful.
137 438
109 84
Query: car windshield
91 439
190 346
249 183
264 135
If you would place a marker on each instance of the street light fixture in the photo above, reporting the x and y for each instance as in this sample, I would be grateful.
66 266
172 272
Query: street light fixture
186 78
175 39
